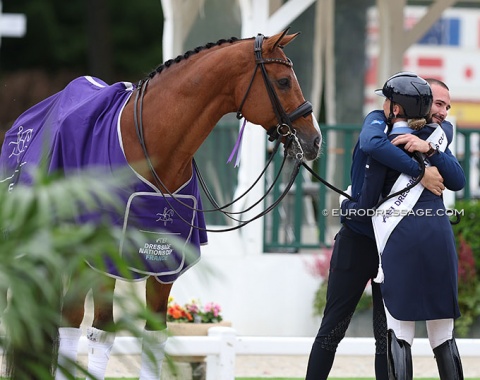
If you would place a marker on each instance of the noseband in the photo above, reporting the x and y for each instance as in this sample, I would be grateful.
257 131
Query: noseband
284 127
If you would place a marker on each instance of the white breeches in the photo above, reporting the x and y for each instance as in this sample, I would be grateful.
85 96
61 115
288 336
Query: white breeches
438 330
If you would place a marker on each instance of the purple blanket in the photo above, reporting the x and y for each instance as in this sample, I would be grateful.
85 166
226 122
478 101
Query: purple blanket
79 128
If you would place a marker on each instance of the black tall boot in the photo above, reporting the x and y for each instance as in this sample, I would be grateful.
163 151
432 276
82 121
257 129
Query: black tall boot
399 355
448 361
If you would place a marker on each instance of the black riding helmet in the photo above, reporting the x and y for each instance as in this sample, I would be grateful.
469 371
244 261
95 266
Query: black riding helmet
410 91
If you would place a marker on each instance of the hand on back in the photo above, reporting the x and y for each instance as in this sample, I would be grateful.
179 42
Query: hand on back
412 143
433 181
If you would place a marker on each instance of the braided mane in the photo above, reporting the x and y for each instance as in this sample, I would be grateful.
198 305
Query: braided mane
189 53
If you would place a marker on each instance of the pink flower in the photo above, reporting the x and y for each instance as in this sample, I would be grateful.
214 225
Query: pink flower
320 266
193 312
466 262
213 308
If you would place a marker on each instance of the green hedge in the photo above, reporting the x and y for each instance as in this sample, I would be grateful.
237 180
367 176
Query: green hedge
467 237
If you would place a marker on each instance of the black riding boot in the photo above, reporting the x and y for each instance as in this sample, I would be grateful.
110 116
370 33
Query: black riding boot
448 361
399 357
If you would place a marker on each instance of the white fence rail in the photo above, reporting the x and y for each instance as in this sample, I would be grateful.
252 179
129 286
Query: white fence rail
222 345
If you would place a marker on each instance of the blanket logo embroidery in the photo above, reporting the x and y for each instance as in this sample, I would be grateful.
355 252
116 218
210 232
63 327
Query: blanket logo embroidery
166 217
19 146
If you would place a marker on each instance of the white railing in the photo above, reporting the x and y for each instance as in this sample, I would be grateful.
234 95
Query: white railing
222 345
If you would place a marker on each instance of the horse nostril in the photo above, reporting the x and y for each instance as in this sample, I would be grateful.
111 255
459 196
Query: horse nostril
316 142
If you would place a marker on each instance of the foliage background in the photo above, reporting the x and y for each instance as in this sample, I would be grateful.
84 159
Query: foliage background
41 246
467 236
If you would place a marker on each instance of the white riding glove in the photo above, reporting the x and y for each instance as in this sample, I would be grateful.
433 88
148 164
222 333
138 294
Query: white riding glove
342 197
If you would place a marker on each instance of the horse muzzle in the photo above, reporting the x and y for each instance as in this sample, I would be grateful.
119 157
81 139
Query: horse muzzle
300 143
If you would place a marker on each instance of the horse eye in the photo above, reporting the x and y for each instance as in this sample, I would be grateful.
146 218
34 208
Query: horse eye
284 83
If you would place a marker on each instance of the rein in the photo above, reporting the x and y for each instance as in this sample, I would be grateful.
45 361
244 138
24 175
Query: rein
229 213
284 129
417 157
336 189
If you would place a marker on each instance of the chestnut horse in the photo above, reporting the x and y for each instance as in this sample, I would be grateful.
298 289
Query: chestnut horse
165 120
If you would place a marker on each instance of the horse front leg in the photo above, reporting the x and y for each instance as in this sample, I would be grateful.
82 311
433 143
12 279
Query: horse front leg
156 295
153 348
69 332
101 335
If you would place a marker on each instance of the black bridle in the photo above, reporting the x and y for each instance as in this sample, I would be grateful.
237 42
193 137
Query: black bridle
285 121
283 129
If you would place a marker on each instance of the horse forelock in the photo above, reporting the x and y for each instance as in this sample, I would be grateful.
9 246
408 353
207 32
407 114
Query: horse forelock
189 53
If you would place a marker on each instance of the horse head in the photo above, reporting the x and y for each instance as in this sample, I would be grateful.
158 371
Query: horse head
252 77
273 98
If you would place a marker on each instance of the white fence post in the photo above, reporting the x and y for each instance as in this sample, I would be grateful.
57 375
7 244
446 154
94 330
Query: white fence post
222 365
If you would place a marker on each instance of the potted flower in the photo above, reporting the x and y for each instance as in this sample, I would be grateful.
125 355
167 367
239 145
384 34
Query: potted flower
193 312
193 318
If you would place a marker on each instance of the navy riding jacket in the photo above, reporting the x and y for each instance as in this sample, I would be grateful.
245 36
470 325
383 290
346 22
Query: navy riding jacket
373 141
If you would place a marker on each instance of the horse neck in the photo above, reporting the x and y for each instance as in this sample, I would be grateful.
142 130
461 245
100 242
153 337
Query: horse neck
181 106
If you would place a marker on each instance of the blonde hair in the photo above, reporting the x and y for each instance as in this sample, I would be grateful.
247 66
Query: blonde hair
417 124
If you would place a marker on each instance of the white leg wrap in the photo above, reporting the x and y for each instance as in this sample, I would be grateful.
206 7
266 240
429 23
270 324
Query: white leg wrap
67 351
100 344
151 367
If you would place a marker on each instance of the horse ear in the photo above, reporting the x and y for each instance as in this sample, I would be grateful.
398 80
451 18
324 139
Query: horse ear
282 39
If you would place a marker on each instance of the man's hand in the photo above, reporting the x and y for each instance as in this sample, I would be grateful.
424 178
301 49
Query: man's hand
412 143
433 181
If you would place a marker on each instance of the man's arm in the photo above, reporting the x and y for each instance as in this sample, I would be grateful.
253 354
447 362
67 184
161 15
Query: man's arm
374 141
450 169
447 164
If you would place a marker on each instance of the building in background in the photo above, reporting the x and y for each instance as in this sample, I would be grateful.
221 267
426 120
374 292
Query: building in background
450 52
